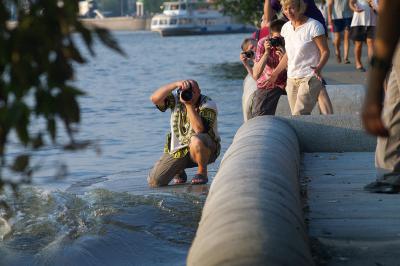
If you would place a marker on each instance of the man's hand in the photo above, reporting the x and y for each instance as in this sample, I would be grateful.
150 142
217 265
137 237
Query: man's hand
372 120
185 85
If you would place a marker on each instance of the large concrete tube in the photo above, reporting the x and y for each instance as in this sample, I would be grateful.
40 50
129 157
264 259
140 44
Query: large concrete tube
346 99
253 214
331 133
249 87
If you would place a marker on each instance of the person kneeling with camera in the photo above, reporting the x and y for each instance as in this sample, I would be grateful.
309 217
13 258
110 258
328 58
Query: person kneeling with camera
193 139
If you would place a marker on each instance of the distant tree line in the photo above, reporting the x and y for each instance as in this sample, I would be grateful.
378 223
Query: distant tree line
247 11
127 7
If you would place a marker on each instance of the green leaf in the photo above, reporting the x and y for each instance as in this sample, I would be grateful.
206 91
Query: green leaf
86 36
21 162
108 40
51 128
37 142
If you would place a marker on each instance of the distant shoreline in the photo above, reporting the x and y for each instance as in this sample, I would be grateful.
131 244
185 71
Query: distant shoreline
111 23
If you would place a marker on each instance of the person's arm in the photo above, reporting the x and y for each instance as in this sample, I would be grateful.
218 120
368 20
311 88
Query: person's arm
353 6
268 12
373 6
194 118
259 66
161 93
246 63
192 112
279 68
322 45
387 37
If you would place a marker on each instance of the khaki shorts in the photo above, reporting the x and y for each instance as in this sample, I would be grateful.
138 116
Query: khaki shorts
303 94
167 166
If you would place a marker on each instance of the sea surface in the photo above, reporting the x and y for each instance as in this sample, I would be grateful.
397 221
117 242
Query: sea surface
102 212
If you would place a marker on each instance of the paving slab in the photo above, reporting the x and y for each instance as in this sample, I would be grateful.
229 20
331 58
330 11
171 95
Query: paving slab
347 225
335 73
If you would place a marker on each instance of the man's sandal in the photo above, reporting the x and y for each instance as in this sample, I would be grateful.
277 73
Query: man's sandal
199 179
180 178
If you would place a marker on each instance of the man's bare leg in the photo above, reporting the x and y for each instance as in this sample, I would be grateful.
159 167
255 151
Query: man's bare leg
336 43
357 54
200 154
346 45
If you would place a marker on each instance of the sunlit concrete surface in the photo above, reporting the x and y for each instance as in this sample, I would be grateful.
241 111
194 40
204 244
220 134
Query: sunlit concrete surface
347 225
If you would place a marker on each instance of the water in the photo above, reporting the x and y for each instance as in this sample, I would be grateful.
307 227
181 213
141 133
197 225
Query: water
103 213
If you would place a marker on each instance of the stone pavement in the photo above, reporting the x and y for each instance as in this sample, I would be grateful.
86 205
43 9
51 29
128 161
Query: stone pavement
335 73
348 226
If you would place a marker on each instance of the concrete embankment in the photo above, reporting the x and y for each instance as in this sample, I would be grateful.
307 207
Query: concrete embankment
253 214
120 23
345 98
111 23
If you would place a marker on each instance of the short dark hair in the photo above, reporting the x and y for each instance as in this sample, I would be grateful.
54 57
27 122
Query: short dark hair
276 25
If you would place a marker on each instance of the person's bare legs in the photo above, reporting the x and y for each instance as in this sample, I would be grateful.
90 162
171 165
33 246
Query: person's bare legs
357 54
370 46
336 44
324 102
200 154
346 45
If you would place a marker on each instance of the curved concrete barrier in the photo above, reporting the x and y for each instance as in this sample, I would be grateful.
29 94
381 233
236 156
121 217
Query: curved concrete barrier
345 98
249 87
331 133
253 213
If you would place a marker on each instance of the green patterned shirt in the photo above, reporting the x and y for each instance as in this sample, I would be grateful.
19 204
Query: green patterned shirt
178 139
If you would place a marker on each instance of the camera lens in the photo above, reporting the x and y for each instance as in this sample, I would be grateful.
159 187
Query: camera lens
249 54
186 95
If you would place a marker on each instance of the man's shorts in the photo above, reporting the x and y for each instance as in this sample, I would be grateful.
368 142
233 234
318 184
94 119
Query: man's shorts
342 24
167 166
361 33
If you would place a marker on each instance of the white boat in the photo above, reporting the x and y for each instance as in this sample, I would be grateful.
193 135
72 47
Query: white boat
194 18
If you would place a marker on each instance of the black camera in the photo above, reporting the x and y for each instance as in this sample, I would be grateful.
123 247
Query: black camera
274 42
187 94
249 54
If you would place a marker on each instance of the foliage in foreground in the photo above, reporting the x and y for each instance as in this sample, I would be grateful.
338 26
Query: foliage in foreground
36 72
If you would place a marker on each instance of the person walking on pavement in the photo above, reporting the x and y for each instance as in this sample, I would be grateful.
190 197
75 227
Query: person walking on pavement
339 19
362 28
384 120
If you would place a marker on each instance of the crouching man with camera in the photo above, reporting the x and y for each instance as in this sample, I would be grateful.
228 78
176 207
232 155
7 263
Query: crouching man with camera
193 139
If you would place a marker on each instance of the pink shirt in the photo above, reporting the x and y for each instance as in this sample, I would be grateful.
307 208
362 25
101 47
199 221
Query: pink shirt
263 32
271 64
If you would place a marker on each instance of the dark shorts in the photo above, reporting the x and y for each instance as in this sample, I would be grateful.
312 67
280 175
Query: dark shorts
362 33
167 166
342 24
265 101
